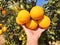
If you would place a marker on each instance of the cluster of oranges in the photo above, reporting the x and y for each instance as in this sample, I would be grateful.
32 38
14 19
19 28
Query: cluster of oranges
34 18
2 29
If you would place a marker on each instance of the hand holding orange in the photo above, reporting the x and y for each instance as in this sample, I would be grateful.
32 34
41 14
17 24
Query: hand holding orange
33 19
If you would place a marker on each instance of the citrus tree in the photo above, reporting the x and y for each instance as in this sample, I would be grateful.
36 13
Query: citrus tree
14 34
52 9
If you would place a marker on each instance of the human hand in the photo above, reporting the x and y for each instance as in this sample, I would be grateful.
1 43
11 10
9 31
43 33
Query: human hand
33 34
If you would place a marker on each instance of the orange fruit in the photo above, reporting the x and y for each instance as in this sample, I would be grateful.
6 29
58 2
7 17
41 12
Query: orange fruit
0 8
1 31
1 25
45 22
23 17
4 29
18 22
37 12
32 24
3 12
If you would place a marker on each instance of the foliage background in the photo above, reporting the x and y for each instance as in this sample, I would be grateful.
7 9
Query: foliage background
15 36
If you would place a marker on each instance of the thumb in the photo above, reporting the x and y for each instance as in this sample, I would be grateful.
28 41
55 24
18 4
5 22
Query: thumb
26 29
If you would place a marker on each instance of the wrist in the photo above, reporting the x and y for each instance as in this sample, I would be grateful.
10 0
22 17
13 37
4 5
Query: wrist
31 41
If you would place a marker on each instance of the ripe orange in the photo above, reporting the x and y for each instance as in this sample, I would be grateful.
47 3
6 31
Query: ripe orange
4 29
0 8
37 12
32 24
1 25
1 31
3 12
18 22
23 17
45 22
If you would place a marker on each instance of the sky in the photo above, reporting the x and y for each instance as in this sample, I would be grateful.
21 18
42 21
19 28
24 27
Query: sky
41 2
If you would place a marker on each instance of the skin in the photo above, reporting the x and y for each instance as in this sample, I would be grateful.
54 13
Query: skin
33 35
2 40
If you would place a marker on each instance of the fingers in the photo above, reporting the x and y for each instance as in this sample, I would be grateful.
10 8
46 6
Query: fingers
26 30
42 30
24 27
39 30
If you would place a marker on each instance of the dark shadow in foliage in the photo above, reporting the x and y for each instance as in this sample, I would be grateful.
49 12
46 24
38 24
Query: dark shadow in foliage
58 29
43 40
58 23
17 40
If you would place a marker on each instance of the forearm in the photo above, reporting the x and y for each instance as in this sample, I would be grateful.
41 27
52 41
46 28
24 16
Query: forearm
32 42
